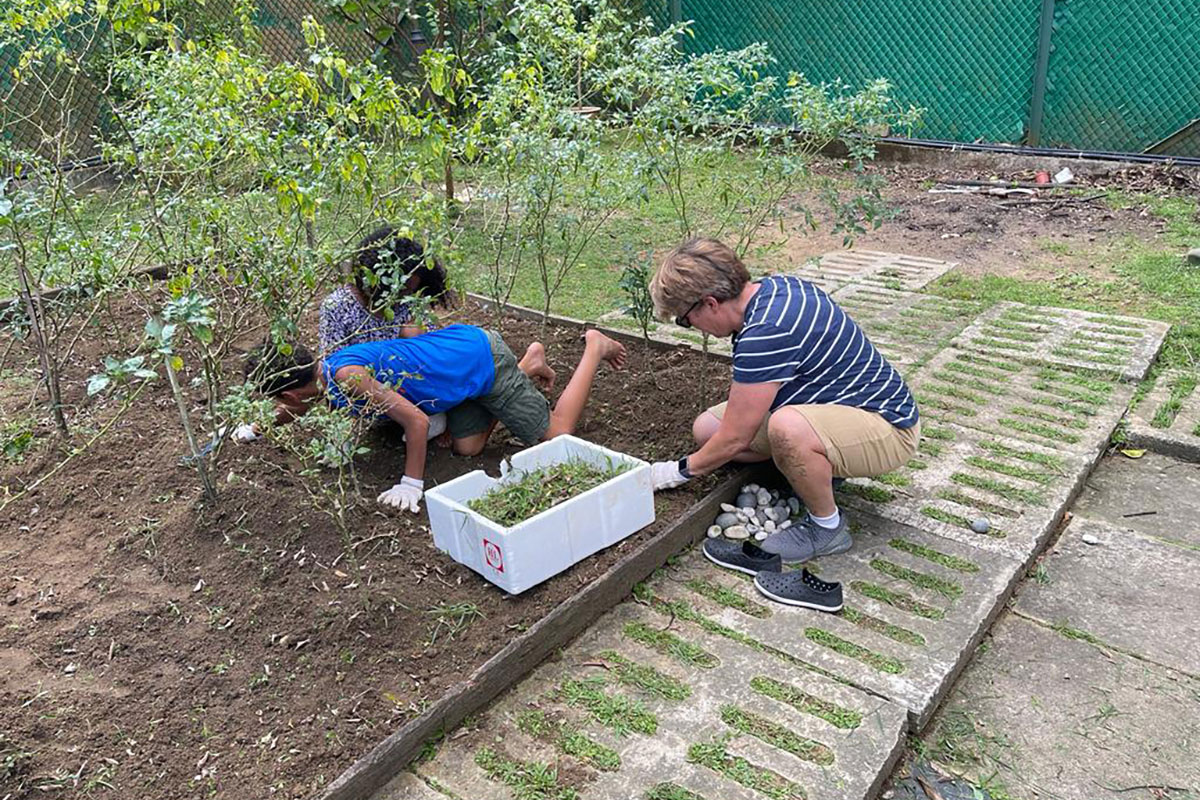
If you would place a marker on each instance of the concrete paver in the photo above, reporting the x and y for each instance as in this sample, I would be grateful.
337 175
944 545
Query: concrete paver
907 327
885 270
1155 495
1168 419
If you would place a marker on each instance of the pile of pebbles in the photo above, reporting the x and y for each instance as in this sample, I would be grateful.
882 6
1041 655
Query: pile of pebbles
756 513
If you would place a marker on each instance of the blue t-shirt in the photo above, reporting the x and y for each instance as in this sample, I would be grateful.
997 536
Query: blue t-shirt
435 371
795 335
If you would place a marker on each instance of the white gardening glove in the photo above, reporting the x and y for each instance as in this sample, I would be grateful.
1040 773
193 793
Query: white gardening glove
437 426
246 432
405 495
666 475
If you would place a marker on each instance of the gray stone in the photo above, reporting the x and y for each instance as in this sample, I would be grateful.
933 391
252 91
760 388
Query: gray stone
764 497
1193 257
760 536
726 519
794 505
737 532
769 526
1089 538
750 488
1056 717
745 500
714 531
752 528
787 523
980 525
1135 593
1154 495
728 508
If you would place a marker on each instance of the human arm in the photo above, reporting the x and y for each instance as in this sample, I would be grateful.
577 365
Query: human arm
357 382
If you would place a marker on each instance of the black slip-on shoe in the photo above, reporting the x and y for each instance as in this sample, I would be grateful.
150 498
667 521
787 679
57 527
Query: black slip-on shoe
743 556
800 589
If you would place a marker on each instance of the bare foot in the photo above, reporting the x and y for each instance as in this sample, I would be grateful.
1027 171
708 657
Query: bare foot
533 364
609 350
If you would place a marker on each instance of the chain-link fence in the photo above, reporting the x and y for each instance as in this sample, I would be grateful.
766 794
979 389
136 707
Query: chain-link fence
1082 74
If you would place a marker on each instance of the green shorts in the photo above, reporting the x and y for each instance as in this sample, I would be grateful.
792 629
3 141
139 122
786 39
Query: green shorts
513 400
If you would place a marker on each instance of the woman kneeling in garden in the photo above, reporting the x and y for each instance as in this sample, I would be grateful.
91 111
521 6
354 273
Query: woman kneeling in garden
809 389
391 280
467 372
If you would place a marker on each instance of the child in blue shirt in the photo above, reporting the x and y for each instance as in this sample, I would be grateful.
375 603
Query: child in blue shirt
467 372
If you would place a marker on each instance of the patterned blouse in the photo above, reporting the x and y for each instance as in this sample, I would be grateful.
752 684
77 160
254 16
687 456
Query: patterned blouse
344 321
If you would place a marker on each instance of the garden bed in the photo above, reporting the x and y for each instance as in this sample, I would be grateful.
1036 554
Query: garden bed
156 647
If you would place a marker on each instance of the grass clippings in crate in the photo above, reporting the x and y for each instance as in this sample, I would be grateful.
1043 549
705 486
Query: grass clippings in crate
540 489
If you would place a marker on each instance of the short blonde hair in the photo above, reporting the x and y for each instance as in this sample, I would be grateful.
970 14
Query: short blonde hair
697 268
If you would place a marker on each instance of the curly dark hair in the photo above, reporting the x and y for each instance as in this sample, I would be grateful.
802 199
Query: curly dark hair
383 263
273 371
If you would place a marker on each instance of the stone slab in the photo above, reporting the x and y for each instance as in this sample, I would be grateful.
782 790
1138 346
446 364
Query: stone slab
907 327
1020 489
1019 400
861 755
966 604
1134 593
886 270
1049 717
407 786
1168 419
1155 495
1125 346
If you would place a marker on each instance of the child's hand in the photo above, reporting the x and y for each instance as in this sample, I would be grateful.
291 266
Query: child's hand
405 495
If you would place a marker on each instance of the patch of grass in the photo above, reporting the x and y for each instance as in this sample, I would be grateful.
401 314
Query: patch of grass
529 780
975 358
1078 395
931 449
934 401
1164 417
974 370
645 677
946 588
954 392
569 740
875 494
936 556
1049 460
1053 247
999 488
897 599
989 343
964 499
1012 332
941 434
16 439
1044 431
541 489
727 598
451 619
776 735
1100 385
916 463
839 717
672 791
894 479
839 645
671 645
1011 470
894 632
1044 416
716 757
619 714
947 517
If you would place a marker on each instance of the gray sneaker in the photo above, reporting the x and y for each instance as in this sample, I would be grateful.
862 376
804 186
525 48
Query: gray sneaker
806 540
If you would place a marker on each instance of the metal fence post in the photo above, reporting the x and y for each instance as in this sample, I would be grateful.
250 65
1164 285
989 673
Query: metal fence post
1033 135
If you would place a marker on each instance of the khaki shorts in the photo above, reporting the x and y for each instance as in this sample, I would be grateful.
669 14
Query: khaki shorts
858 443
513 400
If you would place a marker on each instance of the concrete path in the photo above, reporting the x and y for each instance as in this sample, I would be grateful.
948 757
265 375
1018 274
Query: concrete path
1089 688
700 689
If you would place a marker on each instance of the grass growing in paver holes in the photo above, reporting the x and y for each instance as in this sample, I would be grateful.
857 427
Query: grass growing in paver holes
894 632
963 499
1000 488
529 780
1011 470
936 556
1053 462
776 735
897 599
541 489
645 677
569 740
727 597
839 717
672 791
837 644
716 757
947 517
671 645
619 714
875 494
948 589
1181 389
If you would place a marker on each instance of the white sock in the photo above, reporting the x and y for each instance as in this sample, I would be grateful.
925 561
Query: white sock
830 522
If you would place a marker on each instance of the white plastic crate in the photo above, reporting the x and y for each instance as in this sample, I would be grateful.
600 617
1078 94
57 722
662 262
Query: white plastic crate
528 553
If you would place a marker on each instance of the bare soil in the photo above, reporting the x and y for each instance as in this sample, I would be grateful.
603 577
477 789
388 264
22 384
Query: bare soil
155 647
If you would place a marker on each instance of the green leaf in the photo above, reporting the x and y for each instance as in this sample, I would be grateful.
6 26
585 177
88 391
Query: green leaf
97 383
176 363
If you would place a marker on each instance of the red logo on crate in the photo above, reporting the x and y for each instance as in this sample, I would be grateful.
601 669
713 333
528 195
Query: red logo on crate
494 555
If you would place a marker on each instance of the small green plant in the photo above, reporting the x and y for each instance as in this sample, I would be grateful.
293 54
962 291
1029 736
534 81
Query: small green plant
619 714
668 643
635 283
645 677
450 620
529 780
514 501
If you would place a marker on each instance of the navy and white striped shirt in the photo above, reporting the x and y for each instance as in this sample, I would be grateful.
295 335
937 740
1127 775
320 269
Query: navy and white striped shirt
795 335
